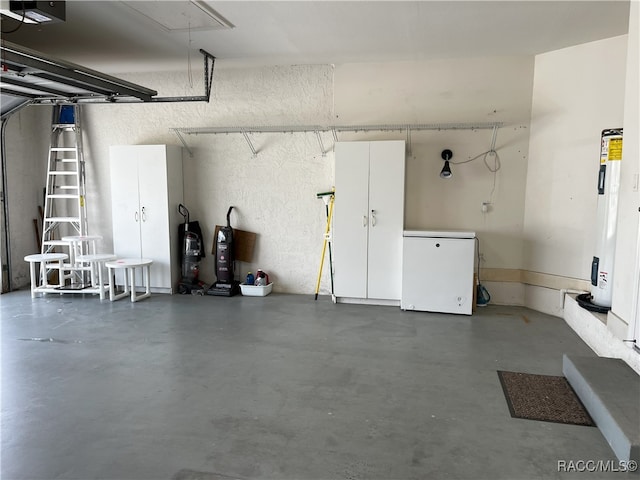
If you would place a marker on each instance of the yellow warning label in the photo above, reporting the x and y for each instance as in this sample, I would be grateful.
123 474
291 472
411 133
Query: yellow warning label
82 200
615 149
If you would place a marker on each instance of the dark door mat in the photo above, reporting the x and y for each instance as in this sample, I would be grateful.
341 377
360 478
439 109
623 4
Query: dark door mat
543 397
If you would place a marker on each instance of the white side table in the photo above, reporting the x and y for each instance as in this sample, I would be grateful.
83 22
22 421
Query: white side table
77 245
129 265
80 245
47 261
97 262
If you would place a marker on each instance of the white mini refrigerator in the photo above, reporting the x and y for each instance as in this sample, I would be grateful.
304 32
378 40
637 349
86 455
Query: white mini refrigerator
437 271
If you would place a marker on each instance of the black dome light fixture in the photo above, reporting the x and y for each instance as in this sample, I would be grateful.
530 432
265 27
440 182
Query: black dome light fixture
446 170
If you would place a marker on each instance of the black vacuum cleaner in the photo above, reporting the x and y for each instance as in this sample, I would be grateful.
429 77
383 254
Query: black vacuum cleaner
191 254
226 285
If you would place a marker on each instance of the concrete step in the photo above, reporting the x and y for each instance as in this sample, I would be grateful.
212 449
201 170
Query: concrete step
610 391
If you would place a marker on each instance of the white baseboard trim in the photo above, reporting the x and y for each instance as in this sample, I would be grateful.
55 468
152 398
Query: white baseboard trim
368 301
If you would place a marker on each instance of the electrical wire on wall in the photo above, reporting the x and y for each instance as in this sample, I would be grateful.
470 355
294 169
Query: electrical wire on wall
482 295
493 169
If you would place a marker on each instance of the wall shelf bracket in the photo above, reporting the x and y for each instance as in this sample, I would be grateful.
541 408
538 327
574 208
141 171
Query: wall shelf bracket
319 137
246 137
184 143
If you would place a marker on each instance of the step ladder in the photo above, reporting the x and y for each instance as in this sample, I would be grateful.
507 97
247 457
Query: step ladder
65 210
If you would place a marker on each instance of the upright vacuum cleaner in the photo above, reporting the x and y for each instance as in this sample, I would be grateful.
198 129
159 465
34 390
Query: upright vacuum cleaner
190 255
226 285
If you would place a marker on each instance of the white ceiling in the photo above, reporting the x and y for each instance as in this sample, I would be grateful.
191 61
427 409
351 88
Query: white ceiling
112 37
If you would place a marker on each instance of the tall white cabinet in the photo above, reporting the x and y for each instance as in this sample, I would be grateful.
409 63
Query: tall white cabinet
368 221
146 189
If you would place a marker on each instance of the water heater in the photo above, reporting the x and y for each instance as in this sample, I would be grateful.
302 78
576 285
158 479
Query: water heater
606 219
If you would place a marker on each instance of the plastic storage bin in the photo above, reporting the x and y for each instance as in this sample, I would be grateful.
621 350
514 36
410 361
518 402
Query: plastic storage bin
256 290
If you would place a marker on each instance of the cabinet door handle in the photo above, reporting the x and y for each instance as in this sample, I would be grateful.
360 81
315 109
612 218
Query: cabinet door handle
373 218
144 215
136 216
364 220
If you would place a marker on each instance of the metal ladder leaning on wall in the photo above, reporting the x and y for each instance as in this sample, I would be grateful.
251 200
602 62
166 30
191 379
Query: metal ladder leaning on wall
65 211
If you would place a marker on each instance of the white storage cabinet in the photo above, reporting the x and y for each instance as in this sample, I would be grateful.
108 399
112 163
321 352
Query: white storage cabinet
437 272
146 189
368 221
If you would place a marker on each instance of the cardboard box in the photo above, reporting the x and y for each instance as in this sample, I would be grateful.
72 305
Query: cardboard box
243 242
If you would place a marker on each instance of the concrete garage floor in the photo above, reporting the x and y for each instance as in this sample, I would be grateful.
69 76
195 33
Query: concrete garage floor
279 387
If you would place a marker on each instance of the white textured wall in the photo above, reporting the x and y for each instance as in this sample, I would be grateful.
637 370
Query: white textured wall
453 91
627 264
27 144
447 91
577 92
274 194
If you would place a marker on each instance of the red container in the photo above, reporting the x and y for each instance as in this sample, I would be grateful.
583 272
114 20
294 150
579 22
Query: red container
262 278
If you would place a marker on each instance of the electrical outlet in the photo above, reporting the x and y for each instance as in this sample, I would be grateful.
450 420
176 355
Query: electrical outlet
485 207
